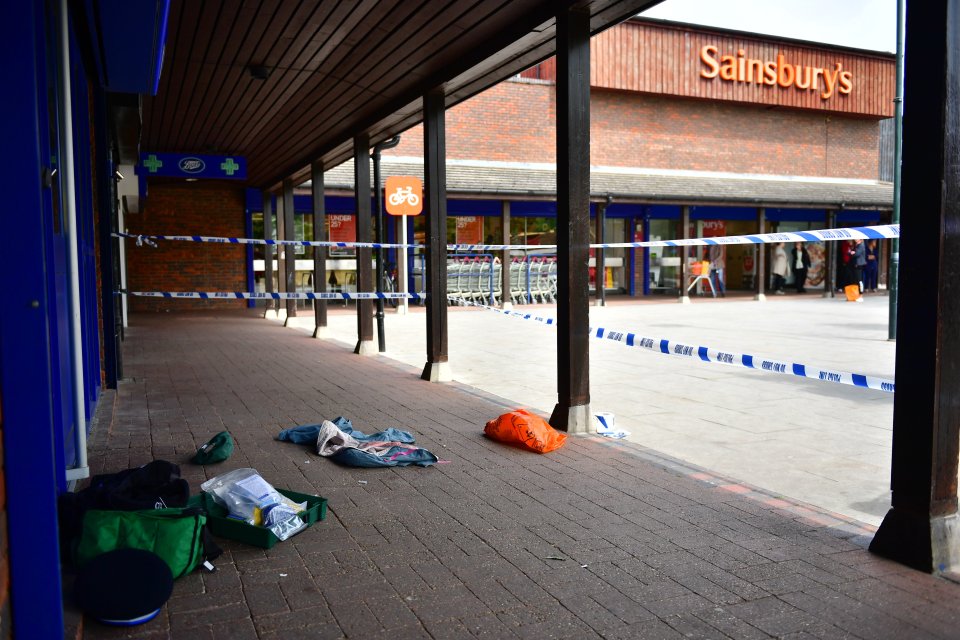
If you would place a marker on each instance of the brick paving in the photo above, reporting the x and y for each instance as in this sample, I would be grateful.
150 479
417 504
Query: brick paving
600 539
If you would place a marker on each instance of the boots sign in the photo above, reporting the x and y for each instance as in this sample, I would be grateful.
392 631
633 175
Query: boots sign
730 67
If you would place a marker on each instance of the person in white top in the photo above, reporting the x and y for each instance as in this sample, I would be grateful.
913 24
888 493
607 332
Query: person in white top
778 267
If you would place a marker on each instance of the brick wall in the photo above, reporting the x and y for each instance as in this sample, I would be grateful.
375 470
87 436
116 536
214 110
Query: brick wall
515 122
197 208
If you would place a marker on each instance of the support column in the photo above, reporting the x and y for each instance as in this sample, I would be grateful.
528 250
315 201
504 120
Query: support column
361 178
281 254
684 252
437 369
921 529
506 302
107 224
599 271
761 284
572 412
289 252
319 253
268 252
830 283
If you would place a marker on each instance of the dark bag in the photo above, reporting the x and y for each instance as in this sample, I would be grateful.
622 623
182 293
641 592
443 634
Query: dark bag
155 485
179 536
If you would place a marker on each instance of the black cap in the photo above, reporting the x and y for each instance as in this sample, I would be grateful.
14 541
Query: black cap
124 586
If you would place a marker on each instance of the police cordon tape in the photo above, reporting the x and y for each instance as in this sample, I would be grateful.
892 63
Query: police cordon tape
707 354
262 295
877 232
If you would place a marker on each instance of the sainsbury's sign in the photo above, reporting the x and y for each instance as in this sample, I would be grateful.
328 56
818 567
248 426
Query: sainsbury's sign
779 72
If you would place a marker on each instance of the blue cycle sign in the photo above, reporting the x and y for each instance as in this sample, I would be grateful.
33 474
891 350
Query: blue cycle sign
184 165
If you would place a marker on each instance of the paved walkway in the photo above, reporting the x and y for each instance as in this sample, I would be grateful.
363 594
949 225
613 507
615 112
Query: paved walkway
601 539
822 443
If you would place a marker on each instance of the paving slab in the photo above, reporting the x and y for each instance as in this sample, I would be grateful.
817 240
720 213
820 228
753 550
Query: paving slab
605 539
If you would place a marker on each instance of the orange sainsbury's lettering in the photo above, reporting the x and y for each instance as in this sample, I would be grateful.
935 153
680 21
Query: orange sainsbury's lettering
740 67
713 67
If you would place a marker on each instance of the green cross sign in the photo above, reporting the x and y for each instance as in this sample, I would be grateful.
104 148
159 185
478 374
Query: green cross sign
229 166
152 163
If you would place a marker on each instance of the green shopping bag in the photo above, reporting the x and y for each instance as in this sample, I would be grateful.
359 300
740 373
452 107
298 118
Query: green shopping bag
178 536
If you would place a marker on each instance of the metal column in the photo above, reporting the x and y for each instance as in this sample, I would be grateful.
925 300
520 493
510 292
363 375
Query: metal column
506 302
922 529
572 412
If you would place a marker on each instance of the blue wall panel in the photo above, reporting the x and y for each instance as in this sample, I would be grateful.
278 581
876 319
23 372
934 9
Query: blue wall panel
26 378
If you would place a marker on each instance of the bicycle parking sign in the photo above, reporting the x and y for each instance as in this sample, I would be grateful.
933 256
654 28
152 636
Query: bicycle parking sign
404 195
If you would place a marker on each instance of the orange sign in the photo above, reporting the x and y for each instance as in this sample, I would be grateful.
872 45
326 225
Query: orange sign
740 68
404 196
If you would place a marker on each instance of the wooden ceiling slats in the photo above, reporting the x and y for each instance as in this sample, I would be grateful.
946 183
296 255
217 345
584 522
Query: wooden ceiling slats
222 80
276 54
209 68
279 110
346 115
154 119
209 18
187 37
344 88
266 28
338 67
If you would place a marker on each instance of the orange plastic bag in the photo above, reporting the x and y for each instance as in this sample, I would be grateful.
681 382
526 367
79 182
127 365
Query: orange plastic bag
852 292
524 429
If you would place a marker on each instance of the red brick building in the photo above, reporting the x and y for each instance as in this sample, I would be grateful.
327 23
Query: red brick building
722 127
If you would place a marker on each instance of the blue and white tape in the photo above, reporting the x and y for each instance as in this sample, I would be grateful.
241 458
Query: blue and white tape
878 232
151 240
263 295
716 356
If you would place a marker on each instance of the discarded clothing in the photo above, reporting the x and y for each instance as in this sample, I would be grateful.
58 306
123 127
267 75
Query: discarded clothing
389 448
307 434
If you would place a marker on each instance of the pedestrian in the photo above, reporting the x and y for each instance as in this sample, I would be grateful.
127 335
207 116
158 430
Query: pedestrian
859 261
800 259
778 268
870 274
717 263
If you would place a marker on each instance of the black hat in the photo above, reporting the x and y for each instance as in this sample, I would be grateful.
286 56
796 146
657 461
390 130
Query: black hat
217 449
123 587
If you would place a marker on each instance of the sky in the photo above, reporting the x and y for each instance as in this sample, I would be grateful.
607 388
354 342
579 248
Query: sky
864 24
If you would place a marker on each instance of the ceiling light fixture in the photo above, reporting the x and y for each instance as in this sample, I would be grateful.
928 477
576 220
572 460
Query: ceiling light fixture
258 71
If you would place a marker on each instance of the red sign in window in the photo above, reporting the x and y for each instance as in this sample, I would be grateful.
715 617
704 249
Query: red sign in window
343 227
469 230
